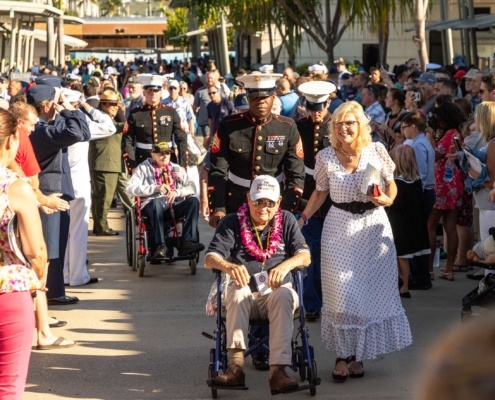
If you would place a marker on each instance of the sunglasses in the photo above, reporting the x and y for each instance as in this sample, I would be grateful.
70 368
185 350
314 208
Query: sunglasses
172 88
212 93
348 124
110 104
264 203
154 90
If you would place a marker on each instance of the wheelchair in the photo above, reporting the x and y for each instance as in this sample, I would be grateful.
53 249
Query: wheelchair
138 250
302 352
484 297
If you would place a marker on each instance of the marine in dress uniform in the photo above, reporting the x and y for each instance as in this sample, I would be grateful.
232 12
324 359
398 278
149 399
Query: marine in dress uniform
314 130
153 123
247 145
252 143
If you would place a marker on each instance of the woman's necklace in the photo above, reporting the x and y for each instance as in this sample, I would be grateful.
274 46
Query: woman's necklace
349 156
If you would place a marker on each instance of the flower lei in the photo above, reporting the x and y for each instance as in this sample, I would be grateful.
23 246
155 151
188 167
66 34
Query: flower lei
159 178
247 237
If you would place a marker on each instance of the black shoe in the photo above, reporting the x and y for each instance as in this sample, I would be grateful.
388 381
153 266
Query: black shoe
57 323
405 295
312 316
260 362
187 248
160 252
475 277
108 232
419 286
62 300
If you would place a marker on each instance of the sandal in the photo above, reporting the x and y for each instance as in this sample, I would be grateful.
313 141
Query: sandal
447 276
356 369
340 375
460 268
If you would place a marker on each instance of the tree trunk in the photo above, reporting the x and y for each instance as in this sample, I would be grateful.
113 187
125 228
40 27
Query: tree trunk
420 7
383 36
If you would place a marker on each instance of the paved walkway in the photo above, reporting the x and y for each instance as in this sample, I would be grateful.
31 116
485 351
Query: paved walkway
140 338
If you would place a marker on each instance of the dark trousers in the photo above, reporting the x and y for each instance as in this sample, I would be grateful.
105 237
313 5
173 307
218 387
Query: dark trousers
312 282
158 212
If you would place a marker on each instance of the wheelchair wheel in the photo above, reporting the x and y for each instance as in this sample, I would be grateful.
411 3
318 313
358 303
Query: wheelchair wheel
192 265
301 363
130 240
141 264
211 376
312 378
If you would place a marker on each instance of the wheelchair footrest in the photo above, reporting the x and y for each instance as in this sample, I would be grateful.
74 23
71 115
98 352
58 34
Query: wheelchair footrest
211 384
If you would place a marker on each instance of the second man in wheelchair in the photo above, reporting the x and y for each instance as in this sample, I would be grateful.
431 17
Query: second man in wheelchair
263 244
166 193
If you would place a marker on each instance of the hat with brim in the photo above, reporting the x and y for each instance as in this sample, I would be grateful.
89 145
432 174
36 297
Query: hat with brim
316 94
241 102
259 85
471 73
40 93
265 187
72 96
267 68
49 80
162 147
150 81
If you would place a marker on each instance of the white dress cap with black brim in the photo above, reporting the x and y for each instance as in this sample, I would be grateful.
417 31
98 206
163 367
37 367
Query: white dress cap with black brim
259 85
151 81
266 68
72 96
316 94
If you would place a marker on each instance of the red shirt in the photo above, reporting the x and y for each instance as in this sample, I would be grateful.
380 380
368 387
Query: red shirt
25 156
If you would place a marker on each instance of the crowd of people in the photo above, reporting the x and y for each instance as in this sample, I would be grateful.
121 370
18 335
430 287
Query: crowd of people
371 166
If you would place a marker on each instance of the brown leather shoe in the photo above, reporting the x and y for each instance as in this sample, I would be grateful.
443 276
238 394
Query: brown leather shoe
281 382
234 376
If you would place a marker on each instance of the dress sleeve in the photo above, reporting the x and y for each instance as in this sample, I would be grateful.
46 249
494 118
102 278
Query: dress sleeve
388 165
321 176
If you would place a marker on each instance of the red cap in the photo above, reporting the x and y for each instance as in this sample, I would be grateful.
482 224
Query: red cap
459 74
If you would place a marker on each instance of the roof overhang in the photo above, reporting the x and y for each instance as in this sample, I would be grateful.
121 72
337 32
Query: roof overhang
199 32
40 11
69 41
481 21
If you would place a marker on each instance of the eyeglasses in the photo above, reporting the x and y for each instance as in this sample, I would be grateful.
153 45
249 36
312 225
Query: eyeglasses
212 93
264 203
154 90
172 88
348 124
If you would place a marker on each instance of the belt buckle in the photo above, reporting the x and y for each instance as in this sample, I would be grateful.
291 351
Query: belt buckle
357 208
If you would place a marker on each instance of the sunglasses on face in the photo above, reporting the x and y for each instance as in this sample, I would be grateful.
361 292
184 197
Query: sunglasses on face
264 203
172 88
348 124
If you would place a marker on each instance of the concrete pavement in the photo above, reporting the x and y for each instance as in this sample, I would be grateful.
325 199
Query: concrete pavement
140 338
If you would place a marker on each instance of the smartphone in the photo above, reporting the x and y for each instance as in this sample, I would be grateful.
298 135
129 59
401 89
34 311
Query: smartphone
457 143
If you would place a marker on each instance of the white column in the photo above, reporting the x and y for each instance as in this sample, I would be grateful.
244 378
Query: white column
50 40
27 42
31 50
19 51
61 42
13 38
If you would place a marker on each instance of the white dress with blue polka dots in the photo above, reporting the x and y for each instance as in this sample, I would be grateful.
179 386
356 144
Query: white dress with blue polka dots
362 314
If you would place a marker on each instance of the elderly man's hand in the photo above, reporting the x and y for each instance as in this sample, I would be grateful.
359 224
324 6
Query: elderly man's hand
240 274
277 275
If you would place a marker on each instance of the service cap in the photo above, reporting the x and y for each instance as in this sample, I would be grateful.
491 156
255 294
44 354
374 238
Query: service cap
151 81
259 85
316 94
39 93
72 96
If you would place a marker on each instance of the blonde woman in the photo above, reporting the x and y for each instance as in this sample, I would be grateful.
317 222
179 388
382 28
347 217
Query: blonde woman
362 316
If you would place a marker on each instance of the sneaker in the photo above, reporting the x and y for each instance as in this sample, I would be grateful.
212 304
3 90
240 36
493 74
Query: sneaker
160 252
234 376
187 248
281 382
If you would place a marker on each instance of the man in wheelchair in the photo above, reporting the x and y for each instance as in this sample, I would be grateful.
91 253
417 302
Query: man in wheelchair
166 193
263 244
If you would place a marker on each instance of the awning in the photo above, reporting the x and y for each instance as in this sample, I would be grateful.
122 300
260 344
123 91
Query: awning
481 21
69 41
198 32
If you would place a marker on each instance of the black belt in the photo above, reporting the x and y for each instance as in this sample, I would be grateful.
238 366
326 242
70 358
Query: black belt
355 207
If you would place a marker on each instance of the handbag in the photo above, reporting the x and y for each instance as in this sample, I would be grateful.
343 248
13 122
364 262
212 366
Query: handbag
197 152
